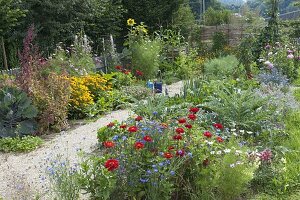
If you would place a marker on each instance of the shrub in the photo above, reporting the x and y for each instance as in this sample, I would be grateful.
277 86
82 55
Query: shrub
16 113
24 144
50 94
273 77
136 93
224 67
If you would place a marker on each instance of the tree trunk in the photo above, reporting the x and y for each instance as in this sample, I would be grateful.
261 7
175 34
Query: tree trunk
4 53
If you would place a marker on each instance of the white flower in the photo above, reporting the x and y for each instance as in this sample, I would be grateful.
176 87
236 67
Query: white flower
227 150
232 165
219 152
212 152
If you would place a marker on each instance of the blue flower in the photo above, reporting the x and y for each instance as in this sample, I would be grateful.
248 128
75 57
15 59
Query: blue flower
144 180
155 113
154 166
149 171
190 154
124 138
115 137
155 170
168 162
172 173
161 164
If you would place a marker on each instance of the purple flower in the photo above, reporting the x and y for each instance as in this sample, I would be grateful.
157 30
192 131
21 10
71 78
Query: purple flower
290 56
265 155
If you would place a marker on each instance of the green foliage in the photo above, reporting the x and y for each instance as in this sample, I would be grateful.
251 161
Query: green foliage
136 93
17 144
186 65
119 79
95 179
9 16
63 178
224 67
184 21
145 57
16 113
219 43
216 17
297 94
241 109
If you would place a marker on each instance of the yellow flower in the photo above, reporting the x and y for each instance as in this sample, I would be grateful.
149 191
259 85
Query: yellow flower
130 22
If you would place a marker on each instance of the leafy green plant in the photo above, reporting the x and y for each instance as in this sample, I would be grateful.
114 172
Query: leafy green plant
219 43
224 67
95 179
16 113
17 144
241 109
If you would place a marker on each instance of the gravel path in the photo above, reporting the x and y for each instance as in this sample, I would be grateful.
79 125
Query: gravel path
23 175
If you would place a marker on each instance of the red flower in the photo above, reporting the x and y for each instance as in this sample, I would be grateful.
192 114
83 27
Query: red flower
119 67
179 130
139 73
207 134
180 152
138 145
205 162
132 129
168 155
219 139
189 126
123 126
138 118
177 137
218 126
111 164
181 120
192 117
108 144
194 109
111 124
147 138
127 72
171 148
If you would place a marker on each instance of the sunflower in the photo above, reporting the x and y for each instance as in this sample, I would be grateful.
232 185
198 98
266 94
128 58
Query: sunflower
130 22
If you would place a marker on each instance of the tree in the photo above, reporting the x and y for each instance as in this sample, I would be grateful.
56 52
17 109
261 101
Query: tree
59 21
9 18
154 13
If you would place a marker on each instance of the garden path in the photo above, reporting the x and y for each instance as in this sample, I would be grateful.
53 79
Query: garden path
23 175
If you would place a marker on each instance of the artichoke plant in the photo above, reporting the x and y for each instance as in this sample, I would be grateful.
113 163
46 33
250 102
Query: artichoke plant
16 113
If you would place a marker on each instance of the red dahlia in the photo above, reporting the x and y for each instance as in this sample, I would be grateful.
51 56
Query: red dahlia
189 126
139 73
207 134
192 117
168 155
179 130
132 129
177 137
138 145
219 139
147 138
171 148
218 126
119 67
138 118
111 124
194 109
111 164
181 120
108 144
123 126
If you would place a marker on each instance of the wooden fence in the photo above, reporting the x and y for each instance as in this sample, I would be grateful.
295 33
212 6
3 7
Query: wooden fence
234 33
